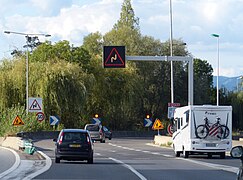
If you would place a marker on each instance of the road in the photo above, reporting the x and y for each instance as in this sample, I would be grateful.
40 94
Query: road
137 159
7 159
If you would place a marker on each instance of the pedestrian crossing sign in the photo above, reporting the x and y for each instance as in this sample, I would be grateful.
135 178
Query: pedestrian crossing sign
17 121
157 125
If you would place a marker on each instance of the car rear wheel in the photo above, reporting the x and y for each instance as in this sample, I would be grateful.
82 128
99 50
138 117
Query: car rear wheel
57 160
90 161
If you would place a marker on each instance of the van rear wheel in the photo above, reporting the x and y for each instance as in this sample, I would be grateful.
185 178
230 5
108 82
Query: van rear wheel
185 154
177 153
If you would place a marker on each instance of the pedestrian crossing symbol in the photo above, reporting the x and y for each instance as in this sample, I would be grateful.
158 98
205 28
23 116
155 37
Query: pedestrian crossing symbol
157 125
17 121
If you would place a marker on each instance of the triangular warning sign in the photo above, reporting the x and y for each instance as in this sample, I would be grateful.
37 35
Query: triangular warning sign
115 58
35 106
157 125
17 121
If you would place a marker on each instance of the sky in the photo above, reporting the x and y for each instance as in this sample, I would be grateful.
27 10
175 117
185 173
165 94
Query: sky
194 22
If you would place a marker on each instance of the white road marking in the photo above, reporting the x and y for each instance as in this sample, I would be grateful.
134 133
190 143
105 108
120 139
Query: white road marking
15 165
211 165
130 168
47 166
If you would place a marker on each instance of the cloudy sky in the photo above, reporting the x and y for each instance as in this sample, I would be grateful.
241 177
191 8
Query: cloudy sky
193 21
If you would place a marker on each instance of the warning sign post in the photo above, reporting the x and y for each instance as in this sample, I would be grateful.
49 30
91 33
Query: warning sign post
114 56
35 105
157 125
17 121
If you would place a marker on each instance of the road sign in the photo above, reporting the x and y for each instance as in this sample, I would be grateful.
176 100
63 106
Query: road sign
174 104
40 116
96 121
171 111
114 56
35 105
54 120
157 125
17 121
170 129
147 122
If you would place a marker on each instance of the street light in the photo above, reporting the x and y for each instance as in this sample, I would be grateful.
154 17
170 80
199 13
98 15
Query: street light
32 41
217 36
171 54
241 77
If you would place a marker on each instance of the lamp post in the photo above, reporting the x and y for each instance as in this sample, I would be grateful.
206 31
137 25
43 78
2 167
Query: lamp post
171 54
217 36
32 41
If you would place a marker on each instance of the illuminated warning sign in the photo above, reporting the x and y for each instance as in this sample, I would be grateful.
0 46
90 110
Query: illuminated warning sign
114 56
17 121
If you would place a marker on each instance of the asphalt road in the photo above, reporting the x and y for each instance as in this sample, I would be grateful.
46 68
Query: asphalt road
7 160
136 159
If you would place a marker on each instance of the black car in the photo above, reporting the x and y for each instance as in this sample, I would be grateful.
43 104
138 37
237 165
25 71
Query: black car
74 144
108 133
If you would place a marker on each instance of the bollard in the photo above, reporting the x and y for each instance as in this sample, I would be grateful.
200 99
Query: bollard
29 148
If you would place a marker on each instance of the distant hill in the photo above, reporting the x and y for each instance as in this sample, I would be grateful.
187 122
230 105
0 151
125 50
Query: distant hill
230 83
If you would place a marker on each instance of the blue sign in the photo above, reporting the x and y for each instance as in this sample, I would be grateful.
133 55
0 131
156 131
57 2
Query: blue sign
147 122
96 121
171 111
54 120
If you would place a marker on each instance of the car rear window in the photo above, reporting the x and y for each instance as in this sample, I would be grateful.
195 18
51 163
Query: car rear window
92 128
74 136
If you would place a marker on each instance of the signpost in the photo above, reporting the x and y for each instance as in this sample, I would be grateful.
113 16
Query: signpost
17 121
40 116
147 122
157 125
96 121
54 120
114 57
170 129
35 105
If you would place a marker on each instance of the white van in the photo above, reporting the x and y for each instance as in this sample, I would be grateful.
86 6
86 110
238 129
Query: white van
203 129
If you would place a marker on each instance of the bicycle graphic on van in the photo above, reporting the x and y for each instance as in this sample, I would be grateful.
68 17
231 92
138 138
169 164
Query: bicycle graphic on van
213 130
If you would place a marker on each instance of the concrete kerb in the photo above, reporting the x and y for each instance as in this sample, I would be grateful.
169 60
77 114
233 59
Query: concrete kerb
162 140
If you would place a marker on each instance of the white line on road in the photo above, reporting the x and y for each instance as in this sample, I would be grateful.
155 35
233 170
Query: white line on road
211 165
47 166
15 165
130 168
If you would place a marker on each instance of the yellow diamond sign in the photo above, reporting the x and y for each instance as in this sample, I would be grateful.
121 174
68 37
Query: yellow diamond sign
157 125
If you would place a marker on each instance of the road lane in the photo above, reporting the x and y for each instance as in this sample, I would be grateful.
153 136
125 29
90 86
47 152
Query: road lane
9 161
117 159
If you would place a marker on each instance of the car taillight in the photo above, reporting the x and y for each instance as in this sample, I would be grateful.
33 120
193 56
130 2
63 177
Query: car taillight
101 132
88 140
60 140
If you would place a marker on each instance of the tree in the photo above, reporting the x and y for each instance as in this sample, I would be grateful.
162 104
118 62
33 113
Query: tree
203 82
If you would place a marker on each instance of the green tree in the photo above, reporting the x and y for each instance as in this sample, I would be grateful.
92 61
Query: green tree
203 82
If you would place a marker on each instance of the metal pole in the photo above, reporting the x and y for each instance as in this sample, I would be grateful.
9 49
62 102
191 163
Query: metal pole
171 54
27 80
217 36
27 35
218 72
